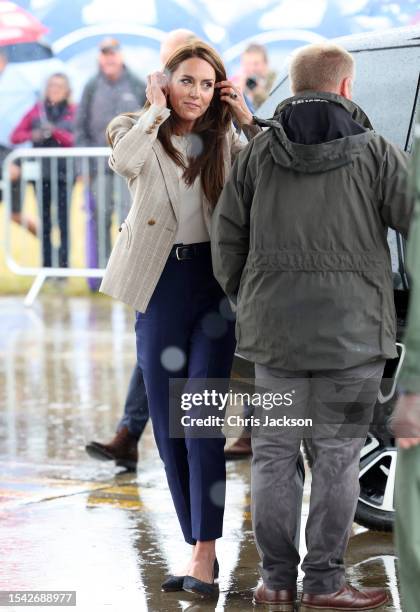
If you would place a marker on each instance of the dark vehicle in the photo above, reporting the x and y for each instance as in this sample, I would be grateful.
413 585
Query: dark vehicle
387 88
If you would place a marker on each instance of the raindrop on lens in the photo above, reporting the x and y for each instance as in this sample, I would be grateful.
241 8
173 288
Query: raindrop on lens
173 358
217 493
195 145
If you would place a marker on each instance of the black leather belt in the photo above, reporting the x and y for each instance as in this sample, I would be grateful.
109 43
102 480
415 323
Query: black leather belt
188 251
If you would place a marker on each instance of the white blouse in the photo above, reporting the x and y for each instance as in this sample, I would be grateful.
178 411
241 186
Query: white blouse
191 227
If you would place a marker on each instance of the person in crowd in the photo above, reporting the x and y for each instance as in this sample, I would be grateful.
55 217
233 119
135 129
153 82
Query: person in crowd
299 241
176 155
50 123
406 421
14 169
256 78
112 90
123 448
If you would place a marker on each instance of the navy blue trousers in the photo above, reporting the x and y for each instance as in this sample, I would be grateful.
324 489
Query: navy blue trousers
136 410
187 332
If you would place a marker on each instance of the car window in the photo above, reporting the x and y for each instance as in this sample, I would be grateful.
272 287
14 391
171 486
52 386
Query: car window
388 107
280 92
385 87
390 110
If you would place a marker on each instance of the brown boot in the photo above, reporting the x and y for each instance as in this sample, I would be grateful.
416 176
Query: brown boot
283 600
240 449
347 598
122 449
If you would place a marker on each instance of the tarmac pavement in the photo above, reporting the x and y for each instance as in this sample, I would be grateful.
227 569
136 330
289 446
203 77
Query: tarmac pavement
71 523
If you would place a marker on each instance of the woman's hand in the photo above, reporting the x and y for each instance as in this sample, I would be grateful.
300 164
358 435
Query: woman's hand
157 88
232 95
42 133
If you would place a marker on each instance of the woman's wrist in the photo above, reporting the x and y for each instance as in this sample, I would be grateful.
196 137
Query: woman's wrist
159 102
159 106
246 119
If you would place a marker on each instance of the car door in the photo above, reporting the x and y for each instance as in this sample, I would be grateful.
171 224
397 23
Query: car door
386 87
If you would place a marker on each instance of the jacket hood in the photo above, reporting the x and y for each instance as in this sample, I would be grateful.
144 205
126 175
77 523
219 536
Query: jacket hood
317 131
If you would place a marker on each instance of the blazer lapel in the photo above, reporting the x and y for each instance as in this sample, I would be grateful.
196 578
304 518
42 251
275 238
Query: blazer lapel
170 176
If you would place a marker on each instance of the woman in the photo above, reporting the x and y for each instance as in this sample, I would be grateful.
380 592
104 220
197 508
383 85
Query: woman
176 155
50 124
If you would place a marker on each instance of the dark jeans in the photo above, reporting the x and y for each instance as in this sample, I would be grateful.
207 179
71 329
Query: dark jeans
15 185
136 409
183 319
48 260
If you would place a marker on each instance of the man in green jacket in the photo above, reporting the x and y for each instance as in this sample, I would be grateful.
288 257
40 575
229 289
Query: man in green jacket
299 242
406 421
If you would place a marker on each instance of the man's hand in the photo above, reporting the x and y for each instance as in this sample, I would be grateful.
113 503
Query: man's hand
408 442
405 421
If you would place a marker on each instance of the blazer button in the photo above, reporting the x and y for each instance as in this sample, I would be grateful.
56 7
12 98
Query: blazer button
151 222
159 118
120 229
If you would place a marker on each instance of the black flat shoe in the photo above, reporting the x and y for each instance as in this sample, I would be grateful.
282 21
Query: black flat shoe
199 587
173 583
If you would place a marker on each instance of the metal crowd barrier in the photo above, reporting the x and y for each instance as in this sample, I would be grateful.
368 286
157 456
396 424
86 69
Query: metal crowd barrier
55 175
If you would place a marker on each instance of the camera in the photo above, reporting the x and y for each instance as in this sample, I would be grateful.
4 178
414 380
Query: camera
251 82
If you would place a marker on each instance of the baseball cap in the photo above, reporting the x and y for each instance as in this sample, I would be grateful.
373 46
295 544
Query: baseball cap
109 45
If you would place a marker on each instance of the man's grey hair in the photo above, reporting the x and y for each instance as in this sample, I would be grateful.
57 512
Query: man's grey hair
320 67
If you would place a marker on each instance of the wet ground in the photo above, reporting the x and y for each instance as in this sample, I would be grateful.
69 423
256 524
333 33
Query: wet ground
70 523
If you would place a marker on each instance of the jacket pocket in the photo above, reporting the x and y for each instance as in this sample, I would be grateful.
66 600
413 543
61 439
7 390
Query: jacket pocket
126 228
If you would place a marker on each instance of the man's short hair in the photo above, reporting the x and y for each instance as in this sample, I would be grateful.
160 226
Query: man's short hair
257 48
320 67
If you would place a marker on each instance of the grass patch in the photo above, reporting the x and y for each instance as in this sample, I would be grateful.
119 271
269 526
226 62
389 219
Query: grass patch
26 248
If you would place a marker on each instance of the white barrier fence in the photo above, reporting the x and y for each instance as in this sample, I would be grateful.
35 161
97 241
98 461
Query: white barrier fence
53 174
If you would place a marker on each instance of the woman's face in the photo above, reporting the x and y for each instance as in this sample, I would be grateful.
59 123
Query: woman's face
57 90
191 89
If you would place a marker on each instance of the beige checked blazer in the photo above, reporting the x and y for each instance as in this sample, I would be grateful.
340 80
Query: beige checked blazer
147 235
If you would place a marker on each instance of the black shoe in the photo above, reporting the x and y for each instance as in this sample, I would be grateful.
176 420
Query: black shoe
199 587
173 583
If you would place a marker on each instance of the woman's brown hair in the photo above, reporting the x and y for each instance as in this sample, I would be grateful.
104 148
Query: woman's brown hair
210 127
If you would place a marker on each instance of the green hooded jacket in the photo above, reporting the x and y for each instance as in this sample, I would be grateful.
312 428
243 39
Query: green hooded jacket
299 237
410 375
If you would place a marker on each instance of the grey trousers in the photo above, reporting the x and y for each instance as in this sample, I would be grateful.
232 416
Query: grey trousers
276 500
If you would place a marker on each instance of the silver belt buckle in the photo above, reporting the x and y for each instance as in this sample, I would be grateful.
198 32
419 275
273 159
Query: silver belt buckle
177 253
